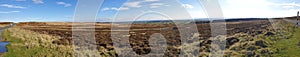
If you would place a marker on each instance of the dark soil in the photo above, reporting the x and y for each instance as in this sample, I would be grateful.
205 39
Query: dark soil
139 38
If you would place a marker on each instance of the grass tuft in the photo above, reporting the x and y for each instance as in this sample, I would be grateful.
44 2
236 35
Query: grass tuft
25 43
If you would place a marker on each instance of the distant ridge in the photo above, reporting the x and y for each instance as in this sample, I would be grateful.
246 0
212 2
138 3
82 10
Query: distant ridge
199 20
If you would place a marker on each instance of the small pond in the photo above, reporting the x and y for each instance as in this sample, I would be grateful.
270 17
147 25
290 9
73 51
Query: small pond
3 47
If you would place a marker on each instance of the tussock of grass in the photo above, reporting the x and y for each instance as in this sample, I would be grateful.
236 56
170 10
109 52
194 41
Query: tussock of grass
289 47
265 45
25 43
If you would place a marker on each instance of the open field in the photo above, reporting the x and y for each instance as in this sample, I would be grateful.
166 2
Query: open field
244 38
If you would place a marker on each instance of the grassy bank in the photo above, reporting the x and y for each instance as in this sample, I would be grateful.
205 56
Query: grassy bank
24 43
289 47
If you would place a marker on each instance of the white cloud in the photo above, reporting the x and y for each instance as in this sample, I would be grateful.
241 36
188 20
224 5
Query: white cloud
114 8
15 11
63 3
4 12
197 14
25 19
288 5
123 8
188 6
257 9
135 4
34 18
9 12
12 6
20 0
38 1
141 3
105 9
151 0
157 5
154 6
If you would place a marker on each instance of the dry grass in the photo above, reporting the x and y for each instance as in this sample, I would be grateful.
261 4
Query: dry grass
25 43
247 45
3 24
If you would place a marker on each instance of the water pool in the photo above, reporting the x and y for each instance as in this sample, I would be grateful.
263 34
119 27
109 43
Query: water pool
3 46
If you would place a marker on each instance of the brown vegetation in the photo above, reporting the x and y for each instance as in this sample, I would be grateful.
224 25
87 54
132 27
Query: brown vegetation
239 34
3 24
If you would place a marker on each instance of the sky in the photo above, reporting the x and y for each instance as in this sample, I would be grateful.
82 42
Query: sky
63 10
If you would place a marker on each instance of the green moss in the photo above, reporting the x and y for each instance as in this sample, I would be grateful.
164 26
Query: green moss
288 47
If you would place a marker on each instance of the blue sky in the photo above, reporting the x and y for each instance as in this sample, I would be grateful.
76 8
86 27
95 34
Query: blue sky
36 10
63 10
